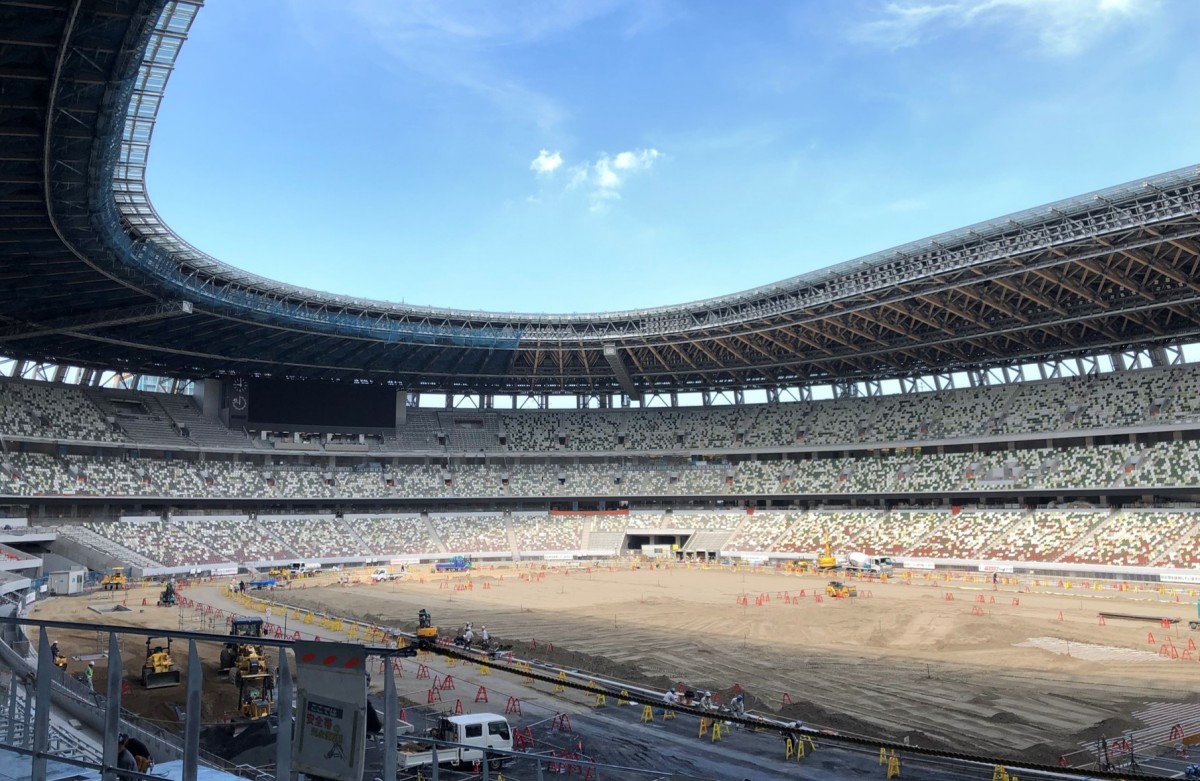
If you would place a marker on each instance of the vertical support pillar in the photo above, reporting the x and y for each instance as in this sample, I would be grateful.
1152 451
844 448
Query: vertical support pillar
191 728
389 719
283 709
41 715
27 717
112 709
434 764
11 732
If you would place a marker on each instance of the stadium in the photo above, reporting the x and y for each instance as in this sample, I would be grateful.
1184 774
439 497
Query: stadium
991 437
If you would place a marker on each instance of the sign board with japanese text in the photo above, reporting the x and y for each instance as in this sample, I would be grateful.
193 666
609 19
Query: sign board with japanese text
331 710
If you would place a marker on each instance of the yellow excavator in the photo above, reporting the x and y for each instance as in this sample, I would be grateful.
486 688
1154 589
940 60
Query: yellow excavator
827 561
159 670
427 633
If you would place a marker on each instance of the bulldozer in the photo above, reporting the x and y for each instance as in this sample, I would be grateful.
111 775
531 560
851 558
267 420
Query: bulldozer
168 597
114 580
827 560
235 656
159 670
839 590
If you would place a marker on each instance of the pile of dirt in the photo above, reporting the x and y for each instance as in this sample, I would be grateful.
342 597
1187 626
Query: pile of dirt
245 744
808 712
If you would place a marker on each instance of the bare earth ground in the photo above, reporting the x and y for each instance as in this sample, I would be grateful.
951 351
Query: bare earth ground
903 662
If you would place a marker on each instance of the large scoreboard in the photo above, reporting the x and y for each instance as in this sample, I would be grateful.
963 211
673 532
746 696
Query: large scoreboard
292 403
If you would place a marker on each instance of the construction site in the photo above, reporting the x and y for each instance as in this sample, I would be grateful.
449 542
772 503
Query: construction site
1039 671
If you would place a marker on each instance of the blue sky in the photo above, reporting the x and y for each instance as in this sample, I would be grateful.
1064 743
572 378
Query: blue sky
553 156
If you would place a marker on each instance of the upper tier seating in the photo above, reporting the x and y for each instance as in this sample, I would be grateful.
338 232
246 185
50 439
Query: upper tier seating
35 409
1146 397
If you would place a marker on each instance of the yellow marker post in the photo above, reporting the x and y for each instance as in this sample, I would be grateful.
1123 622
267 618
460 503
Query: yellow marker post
601 700
789 751
558 687
893 769
716 731
624 698
668 714
647 714
704 725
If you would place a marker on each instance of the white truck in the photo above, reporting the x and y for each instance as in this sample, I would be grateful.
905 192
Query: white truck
864 562
382 574
477 730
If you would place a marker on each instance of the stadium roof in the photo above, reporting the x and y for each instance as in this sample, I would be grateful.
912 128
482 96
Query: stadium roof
91 276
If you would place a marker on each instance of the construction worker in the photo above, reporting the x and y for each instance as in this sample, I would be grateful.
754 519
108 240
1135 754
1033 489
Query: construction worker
91 673
484 637
141 753
125 758
54 653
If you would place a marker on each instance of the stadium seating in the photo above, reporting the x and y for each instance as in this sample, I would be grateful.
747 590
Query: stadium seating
758 532
472 534
313 537
1168 538
537 532
49 411
393 535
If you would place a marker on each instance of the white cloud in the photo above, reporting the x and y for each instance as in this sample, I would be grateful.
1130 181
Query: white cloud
604 177
546 163
1062 27
642 158
608 175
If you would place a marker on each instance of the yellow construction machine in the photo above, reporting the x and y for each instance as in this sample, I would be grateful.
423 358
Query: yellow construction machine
236 654
250 662
840 590
253 700
427 633
114 580
159 670
827 561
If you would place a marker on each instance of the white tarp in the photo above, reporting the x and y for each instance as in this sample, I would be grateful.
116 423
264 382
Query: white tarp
331 710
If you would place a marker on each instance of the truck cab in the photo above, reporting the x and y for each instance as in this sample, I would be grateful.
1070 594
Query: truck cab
476 731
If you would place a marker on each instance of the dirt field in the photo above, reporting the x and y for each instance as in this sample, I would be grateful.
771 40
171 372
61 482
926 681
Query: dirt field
156 704
905 661
902 662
